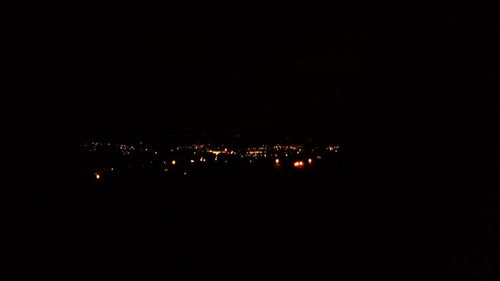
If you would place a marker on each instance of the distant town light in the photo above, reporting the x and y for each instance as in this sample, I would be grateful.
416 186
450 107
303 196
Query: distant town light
277 161
97 176
174 162
192 161
298 164
165 170
309 161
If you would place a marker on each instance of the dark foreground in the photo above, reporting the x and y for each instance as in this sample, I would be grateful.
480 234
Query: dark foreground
257 222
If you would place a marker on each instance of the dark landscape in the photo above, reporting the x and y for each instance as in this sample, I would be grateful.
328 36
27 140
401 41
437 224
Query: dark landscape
257 140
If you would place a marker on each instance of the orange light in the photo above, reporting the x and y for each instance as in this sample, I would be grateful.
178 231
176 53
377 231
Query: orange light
97 176
277 161
298 164
309 161
173 162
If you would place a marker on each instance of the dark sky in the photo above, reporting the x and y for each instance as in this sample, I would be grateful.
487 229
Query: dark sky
344 71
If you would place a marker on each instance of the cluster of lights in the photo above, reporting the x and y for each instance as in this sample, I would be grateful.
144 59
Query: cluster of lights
98 175
334 148
298 164
262 151
124 149
190 154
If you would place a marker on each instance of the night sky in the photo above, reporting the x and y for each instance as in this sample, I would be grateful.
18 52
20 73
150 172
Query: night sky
343 71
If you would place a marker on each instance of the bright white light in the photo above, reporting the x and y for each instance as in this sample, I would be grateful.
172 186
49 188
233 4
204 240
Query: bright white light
309 161
192 161
277 161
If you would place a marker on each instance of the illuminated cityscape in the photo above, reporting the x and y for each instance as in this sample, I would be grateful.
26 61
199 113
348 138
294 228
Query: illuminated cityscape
114 156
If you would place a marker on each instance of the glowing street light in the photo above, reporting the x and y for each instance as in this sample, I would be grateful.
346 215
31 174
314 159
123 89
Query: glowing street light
97 176
173 162
277 161
298 164
309 161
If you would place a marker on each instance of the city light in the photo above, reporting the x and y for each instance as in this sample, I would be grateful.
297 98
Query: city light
192 153
298 164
